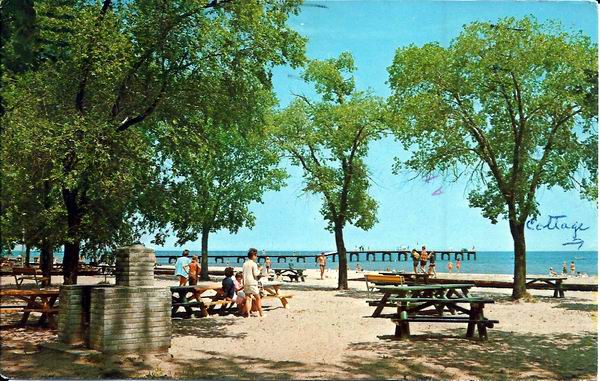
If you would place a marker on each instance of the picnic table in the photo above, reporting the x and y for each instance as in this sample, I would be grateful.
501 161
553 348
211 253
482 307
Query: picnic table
30 273
272 291
187 297
41 301
428 303
554 281
293 274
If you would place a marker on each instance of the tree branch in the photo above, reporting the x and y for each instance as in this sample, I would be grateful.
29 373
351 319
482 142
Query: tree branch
87 63
542 162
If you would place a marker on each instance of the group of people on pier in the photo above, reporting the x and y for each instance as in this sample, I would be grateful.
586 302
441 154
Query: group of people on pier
421 258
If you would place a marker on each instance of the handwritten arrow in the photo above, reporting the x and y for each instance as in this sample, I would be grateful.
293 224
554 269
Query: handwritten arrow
576 241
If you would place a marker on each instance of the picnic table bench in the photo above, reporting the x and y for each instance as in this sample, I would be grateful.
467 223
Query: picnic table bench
429 303
554 281
186 297
45 305
293 274
28 273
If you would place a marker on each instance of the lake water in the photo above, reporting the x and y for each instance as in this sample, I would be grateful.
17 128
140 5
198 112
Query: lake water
487 262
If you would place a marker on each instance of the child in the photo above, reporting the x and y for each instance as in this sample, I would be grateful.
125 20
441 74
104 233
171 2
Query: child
240 299
193 271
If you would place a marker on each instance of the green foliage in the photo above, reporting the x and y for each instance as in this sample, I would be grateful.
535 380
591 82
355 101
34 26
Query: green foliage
217 176
92 110
513 105
330 138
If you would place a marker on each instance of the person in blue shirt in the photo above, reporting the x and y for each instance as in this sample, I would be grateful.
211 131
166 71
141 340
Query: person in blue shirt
181 266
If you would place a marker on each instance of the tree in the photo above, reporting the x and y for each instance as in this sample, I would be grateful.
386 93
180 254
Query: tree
510 105
217 178
123 68
329 140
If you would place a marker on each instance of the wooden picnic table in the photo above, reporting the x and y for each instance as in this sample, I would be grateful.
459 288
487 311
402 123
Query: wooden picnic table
293 274
272 290
187 297
428 303
29 273
554 281
42 301
442 291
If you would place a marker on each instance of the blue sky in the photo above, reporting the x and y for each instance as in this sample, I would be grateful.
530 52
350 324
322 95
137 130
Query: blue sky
408 212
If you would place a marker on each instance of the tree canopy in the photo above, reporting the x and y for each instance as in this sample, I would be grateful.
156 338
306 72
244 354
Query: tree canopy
511 105
329 139
121 70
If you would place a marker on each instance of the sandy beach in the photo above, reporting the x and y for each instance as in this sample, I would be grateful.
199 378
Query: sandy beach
326 334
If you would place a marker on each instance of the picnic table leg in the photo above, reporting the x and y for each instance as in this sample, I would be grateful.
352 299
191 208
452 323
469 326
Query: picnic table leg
188 310
471 325
50 316
174 299
43 305
561 291
381 304
274 291
30 305
481 326
402 327
283 301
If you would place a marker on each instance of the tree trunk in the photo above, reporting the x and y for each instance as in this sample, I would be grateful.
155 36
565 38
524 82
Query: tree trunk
27 254
46 261
341 250
72 246
46 250
518 233
204 264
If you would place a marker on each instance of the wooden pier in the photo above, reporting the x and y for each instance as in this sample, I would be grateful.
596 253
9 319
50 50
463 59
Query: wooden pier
352 255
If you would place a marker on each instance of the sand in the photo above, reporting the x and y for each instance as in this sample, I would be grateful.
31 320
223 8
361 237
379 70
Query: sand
326 334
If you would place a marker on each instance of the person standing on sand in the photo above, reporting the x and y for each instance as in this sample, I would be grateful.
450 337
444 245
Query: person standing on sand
180 265
193 270
250 275
449 266
572 267
415 257
458 265
321 260
268 263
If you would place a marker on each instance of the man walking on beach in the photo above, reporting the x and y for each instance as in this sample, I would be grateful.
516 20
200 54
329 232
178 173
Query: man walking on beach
182 263
250 275
321 260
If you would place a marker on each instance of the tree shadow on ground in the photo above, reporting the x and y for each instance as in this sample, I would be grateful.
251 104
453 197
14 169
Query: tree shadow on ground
237 367
444 355
506 355
206 327
587 307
